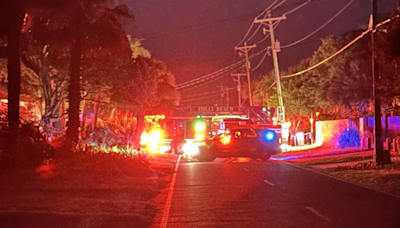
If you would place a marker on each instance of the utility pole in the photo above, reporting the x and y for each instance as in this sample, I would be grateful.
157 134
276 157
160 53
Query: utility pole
245 49
238 87
275 48
224 91
381 156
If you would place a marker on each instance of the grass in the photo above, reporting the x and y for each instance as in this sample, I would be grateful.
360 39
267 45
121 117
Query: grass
317 152
80 186
386 179
326 161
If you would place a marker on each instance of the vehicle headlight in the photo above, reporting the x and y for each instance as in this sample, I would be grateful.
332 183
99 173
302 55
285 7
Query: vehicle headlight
190 149
165 148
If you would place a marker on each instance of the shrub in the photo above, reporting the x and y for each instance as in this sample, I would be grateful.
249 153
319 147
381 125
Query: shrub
349 138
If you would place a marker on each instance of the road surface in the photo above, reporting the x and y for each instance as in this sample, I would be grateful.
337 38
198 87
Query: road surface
245 193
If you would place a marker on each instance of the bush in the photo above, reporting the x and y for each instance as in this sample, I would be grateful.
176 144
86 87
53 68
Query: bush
31 151
349 138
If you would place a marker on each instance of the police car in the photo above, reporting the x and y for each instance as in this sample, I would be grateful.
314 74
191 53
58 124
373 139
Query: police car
253 142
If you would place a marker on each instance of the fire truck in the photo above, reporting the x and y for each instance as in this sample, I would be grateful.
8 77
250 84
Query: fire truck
194 124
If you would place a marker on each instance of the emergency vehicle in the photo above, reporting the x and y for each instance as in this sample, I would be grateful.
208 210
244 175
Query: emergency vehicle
194 124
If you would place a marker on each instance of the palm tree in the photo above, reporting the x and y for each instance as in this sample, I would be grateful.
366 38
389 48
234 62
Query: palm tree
92 23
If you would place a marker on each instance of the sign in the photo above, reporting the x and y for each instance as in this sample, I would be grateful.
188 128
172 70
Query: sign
215 109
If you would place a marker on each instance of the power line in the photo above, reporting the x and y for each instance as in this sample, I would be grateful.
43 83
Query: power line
321 27
338 52
276 25
201 98
201 94
251 26
267 51
208 79
216 73
262 60
297 8
342 49
255 32
270 87
278 4
205 81
309 35
210 75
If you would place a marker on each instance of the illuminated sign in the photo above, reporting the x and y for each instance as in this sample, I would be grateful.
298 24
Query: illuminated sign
202 110
215 109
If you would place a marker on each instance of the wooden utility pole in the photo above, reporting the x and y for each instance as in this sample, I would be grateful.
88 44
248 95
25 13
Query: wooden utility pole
381 156
224 91
238 87
245 51
275 49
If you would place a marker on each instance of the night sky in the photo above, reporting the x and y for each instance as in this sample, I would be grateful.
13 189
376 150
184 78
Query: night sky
198 37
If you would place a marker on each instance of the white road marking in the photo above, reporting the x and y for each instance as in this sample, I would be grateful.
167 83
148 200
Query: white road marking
270 183
318 214
246 169
164 220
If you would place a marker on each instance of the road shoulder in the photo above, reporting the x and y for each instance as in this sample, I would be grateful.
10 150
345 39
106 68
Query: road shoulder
355 167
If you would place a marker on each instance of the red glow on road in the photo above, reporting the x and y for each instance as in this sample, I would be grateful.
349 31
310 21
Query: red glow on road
46 171
242 159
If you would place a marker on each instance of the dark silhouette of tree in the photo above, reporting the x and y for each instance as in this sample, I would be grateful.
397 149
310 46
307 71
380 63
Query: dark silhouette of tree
10 26
151 88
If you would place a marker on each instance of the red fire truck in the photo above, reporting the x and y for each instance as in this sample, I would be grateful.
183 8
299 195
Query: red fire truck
196 123
193 124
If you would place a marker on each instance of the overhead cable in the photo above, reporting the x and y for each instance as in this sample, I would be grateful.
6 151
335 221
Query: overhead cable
276 25
339 51
216 73
251 26
271 86
201 94
205 80
201 98
259 26
211 75
321 27
342 49
297 8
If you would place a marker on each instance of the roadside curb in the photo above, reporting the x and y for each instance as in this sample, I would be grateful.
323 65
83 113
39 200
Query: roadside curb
343 180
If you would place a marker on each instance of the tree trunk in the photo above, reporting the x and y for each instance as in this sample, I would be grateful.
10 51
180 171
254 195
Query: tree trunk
74 98
14 74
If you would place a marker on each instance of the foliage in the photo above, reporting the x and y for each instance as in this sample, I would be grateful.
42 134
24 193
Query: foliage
388 57
349 138
123 153
138 49
339 88
150 84
31 151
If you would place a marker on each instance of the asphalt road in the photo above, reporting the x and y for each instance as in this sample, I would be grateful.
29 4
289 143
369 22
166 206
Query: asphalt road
244 193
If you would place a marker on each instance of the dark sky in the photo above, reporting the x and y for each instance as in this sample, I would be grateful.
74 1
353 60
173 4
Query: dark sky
198 37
